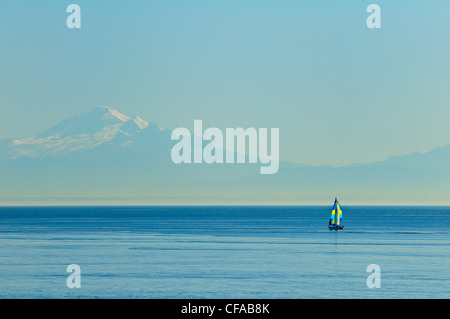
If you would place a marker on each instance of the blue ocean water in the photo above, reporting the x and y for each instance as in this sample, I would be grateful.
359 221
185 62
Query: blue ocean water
224 252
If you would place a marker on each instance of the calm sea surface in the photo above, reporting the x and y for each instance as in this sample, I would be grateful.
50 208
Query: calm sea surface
224 252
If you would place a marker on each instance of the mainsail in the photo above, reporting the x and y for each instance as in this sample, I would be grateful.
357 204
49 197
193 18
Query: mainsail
336 219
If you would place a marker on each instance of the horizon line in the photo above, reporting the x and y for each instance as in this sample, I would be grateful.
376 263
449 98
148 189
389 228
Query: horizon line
215 205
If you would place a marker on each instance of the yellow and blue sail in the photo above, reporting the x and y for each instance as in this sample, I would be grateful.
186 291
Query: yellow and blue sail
336 208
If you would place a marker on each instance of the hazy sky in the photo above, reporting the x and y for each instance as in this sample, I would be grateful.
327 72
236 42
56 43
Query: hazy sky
339 92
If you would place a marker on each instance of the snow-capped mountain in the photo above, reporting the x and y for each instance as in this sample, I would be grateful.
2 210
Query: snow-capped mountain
82 132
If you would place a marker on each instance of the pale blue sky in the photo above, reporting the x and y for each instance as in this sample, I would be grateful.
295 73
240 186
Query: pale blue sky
339 92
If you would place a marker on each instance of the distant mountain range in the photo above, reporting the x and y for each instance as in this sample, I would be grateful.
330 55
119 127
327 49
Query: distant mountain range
105 157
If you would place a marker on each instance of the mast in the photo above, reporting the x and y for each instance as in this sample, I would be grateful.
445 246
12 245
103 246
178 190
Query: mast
336 212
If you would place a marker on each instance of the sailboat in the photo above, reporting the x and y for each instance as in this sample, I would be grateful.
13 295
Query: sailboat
335 222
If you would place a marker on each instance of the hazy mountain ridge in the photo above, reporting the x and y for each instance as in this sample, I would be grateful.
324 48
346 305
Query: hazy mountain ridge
438 158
